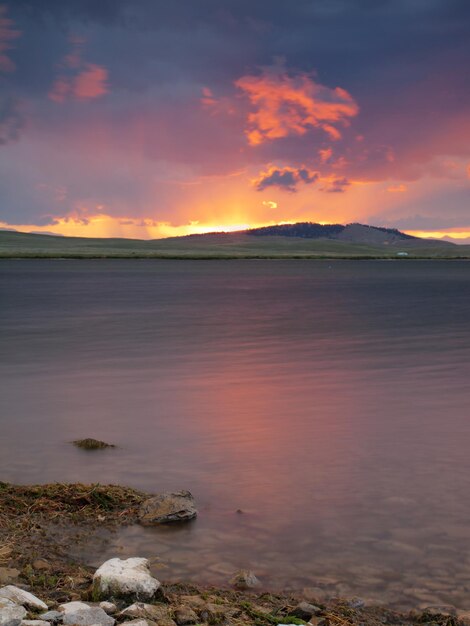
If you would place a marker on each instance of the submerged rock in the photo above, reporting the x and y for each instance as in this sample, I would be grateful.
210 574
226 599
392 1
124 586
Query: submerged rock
24 598
125 578
81 614
92 444
168 507
244 579
10 613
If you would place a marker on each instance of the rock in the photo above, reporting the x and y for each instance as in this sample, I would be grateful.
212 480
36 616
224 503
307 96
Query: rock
34 622
81 614
185 615
356 603
125 578
92 444
140 622
305 610
41 565
244 579
24 598
195 602
214 613
153 612
464 617
440 609
10 613
168 507
8 575
109 607
52 616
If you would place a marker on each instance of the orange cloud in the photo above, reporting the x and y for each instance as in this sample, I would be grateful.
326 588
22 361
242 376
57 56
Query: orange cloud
80 80
287 105
7 34
105 225
440 234
397 189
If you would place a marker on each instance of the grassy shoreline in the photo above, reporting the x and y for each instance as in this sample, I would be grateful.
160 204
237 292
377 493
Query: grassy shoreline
221 246
38 522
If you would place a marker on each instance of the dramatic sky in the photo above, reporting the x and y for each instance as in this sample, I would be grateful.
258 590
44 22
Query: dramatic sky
152 118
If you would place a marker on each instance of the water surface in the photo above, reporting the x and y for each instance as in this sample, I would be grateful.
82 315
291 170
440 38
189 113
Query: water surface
328 401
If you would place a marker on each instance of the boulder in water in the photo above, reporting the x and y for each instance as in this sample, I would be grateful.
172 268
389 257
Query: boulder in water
167 508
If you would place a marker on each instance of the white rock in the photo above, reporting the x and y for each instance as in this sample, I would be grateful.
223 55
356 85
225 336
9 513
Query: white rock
81 614
109 607
137 622
34 622
125 577
22 597
10 613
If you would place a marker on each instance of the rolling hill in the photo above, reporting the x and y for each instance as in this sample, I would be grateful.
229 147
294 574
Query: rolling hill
301 240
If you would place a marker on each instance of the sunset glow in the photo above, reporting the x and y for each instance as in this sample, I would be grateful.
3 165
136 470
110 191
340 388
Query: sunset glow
108 130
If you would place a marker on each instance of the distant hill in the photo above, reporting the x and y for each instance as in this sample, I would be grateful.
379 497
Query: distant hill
287 241
354 233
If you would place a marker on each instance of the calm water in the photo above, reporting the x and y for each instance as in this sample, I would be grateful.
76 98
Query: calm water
329 401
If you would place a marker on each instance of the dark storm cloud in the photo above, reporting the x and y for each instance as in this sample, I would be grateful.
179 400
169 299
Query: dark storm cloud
11 119
285 178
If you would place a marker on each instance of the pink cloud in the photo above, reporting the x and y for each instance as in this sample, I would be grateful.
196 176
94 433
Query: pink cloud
7 34
80 80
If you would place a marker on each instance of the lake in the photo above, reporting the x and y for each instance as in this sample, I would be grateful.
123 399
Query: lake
319 412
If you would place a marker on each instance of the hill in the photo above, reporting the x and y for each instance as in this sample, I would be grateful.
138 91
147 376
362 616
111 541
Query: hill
303 240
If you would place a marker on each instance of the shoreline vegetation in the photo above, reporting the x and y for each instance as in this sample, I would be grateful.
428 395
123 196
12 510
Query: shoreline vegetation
229 246
38 523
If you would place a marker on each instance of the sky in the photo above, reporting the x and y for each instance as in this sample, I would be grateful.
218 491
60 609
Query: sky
151 118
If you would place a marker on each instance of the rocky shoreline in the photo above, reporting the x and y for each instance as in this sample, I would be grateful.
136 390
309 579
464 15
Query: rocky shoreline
41 585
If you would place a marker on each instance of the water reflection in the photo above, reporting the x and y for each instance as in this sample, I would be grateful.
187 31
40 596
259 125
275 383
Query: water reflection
327 401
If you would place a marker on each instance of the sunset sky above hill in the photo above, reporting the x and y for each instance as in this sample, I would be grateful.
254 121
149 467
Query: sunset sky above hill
151 118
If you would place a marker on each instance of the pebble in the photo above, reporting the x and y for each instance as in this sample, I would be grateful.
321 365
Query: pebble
244 579
109 607
185 615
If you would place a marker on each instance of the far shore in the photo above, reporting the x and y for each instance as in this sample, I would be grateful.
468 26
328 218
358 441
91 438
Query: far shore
368 245
195 257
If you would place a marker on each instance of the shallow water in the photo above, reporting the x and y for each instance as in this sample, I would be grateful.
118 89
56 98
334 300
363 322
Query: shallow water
329 401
